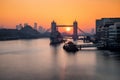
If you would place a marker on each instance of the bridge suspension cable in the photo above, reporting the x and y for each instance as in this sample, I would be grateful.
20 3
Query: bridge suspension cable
84 33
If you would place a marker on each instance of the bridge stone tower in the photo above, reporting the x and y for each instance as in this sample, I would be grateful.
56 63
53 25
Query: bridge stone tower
75 33
53 27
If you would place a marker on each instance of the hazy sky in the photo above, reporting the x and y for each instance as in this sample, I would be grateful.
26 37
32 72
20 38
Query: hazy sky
13 12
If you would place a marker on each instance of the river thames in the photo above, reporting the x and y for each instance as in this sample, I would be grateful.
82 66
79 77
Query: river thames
36 60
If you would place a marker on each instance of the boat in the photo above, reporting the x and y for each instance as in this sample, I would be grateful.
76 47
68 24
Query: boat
70 47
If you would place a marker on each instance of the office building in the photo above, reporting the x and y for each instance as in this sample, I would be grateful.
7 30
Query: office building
114 35
103 29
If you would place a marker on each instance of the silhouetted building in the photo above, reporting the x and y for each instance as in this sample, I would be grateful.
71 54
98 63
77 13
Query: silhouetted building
19 27
35 26
25 24
41 29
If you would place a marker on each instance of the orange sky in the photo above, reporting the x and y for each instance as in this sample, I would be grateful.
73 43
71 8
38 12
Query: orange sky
13 12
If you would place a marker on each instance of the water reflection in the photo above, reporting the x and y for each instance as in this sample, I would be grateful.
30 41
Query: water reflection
107 66
59 63
37 60
72 66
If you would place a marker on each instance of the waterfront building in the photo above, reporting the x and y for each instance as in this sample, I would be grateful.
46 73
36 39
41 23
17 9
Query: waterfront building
102 26
114 35
99 29
102 29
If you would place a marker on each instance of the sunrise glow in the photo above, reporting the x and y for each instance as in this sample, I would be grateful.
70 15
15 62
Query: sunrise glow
68 29
43 12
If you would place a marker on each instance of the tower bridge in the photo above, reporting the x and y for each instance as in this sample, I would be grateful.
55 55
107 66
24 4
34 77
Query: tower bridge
75 27
75 35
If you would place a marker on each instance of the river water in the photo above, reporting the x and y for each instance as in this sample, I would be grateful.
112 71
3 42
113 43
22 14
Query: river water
37 60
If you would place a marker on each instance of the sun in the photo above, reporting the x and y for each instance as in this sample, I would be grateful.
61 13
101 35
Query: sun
68 29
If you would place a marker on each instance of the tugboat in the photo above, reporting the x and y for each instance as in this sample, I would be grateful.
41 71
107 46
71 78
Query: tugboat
70 47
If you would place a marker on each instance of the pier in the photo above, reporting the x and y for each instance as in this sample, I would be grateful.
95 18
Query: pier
80 46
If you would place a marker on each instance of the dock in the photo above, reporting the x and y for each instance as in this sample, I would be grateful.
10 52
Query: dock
85 46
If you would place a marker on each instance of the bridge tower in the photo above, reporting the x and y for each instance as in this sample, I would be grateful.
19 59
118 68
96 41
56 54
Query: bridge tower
75 33
53 27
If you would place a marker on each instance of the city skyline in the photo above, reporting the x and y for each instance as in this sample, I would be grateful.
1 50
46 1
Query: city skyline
62 11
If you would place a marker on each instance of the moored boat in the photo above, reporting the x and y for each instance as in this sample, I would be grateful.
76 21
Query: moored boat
70 47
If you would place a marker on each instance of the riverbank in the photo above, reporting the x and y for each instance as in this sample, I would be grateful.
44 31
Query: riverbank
25 33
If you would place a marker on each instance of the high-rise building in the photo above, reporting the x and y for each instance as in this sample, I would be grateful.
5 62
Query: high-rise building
35 26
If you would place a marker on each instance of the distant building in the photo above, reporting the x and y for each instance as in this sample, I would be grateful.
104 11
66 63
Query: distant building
19 27
1 27
92 31
35 26
41 29
25 24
